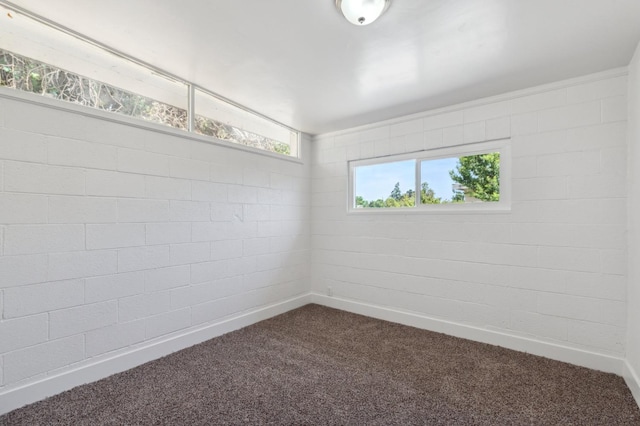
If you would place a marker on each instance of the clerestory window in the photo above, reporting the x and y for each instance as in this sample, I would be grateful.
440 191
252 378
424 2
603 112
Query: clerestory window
38 57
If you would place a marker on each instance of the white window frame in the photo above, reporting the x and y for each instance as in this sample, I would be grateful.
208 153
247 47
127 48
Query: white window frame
501 146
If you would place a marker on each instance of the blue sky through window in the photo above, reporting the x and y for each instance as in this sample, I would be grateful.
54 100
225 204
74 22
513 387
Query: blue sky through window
377 181
436 174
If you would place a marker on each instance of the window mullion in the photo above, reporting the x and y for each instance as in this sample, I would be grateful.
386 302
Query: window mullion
191 108
418 182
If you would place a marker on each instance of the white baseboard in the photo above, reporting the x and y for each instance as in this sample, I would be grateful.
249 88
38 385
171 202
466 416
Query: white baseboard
593 360
103 367
106 366
633 381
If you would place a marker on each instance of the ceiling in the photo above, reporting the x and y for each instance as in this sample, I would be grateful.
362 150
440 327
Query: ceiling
301 63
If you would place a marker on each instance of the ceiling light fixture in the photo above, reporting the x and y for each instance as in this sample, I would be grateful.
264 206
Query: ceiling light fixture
362 12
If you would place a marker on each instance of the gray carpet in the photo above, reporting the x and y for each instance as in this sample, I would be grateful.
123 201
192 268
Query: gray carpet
319 366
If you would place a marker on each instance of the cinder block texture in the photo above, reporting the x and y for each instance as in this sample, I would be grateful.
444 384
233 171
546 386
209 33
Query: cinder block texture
103 225
552 269
633 196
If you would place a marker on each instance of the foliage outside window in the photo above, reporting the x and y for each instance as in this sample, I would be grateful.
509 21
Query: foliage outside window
208 127
29 75
472 178
375 178
465 177
225 121
478 176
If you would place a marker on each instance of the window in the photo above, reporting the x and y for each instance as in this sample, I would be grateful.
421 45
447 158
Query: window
28 75
225 121
462 178
38 57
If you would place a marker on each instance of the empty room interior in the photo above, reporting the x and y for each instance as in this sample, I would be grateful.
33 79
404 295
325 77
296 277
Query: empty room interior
320 212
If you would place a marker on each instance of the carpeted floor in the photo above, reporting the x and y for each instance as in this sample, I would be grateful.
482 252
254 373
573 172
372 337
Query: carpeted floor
319 366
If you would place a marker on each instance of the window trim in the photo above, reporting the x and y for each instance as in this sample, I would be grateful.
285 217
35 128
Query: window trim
503 146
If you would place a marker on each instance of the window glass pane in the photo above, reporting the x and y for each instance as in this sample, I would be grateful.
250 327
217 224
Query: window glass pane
217 118
467 179
387 185
26 74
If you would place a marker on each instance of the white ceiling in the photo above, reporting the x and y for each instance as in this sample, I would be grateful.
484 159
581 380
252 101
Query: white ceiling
301 63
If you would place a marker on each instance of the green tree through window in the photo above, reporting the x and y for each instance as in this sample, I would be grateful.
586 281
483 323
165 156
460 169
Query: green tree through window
476 178
479 176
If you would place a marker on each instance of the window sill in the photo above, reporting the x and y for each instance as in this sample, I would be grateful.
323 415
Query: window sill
440 210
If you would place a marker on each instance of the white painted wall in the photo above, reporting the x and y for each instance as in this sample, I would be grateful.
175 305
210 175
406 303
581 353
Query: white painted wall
113 237
633 336
551 271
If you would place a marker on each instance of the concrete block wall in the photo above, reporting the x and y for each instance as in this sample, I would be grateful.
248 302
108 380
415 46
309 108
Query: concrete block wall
551 270
633 339
113 235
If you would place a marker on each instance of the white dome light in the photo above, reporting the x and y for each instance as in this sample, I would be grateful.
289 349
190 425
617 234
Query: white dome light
362 12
